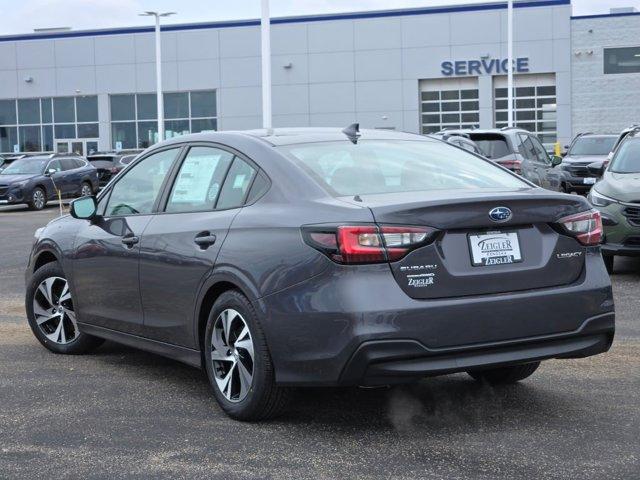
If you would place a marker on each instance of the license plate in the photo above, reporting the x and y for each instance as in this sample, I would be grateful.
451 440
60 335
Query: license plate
494 248
589 181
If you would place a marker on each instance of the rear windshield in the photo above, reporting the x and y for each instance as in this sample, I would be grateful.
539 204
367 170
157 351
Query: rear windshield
101 158
627 160
492 146
383 166
592 146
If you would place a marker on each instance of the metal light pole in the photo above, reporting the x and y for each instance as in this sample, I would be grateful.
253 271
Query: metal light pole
159 97
265 31
510 63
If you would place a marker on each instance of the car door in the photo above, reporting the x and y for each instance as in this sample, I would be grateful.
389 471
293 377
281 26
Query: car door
180 246
530 159
107 250
549 178
71 176
54 171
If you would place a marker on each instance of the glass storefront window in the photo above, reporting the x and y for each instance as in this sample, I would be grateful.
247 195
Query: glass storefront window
88 130
176 105
87 109
123 107
8 138
65 131
201 125
203 104
47 112
30 139
147 134
29 111
64 110
47 138
125 133
185 112
7 112
175 128
147 106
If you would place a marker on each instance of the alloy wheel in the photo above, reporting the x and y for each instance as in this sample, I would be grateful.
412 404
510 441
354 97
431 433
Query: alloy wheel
85 191
38 199
53 310
232 355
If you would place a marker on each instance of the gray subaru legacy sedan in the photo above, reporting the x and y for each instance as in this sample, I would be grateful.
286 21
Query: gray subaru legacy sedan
307 257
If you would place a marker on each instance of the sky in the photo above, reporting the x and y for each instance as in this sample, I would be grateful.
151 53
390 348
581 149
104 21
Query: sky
22 16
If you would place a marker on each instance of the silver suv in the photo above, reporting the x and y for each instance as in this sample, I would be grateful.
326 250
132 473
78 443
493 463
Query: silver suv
520 151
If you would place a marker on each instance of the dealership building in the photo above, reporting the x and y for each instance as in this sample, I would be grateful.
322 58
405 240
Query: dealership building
417 70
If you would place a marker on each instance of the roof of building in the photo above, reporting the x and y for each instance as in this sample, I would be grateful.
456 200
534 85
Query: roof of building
283 20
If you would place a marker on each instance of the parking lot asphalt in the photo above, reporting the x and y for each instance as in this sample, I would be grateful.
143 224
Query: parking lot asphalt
123 413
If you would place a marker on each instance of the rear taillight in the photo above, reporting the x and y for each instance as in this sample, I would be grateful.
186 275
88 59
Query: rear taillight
514 165
586 227
366 243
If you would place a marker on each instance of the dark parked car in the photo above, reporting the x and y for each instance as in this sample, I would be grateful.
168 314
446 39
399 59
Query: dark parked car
36 179
110 164
586 149
282 258
521 152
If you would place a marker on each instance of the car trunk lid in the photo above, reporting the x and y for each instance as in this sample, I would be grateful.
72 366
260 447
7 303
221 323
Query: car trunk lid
475 255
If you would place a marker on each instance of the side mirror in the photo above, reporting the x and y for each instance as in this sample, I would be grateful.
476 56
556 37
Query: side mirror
556 160
84 208
596 168
50 172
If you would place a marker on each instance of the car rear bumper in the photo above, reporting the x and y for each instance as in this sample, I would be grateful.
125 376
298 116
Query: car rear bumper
359 328
387 362
621 249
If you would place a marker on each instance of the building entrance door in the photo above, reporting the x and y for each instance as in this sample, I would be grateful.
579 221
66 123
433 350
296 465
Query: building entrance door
81 146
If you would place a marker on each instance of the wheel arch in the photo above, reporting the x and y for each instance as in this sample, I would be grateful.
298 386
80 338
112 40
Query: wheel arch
214 286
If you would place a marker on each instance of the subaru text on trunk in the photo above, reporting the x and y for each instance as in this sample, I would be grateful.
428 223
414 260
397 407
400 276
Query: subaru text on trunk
283 258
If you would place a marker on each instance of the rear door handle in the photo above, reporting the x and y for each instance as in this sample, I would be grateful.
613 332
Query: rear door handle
204 240
130 241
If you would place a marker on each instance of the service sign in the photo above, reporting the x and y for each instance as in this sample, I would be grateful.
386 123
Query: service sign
484 66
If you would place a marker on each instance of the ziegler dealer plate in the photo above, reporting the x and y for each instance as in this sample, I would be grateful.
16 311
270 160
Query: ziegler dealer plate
494 248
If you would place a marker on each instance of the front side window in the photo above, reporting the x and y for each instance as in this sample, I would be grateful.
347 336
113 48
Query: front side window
197 185
378 166
26 166
627 159
540 152
138 189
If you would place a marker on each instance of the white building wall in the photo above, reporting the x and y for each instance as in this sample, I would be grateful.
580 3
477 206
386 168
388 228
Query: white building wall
603 103
329 72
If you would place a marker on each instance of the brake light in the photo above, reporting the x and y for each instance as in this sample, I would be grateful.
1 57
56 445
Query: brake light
586 227
353 244
514 165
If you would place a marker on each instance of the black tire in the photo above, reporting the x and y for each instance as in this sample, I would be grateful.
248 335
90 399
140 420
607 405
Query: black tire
505 375
82 343
264 399
85 189
608 262
37 199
